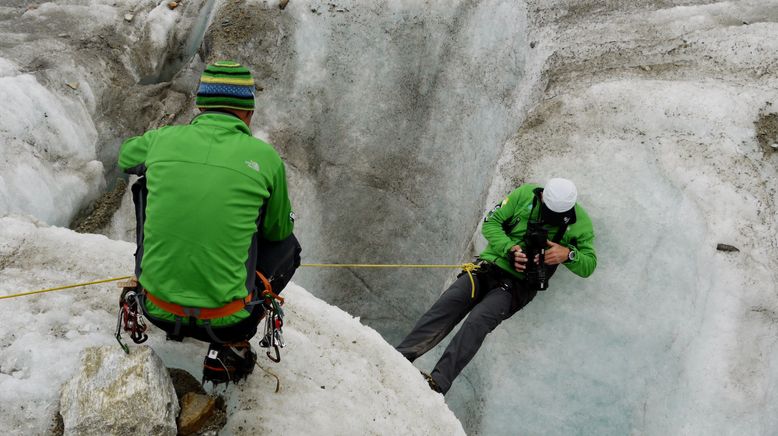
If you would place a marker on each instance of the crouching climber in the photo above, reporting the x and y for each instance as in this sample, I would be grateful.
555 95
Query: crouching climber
212 212
530 233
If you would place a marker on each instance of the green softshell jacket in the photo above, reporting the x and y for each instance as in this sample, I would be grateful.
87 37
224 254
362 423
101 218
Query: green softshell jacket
208 183
515 209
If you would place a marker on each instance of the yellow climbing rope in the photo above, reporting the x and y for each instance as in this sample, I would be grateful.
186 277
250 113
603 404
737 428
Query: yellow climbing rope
467 267
387 265
3 297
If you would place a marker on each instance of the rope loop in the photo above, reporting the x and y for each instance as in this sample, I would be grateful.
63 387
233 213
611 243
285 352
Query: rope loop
469 268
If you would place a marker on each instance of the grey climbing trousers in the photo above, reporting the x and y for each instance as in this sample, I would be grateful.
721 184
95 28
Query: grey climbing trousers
498 297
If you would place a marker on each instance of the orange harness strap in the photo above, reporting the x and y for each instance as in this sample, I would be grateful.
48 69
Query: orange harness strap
205 313
199 312
268 294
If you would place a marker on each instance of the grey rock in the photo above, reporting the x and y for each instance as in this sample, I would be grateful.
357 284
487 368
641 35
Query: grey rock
119 394
726 248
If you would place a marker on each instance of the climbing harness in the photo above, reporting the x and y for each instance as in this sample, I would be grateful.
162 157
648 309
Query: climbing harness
199 312
130 318
208 313
186 318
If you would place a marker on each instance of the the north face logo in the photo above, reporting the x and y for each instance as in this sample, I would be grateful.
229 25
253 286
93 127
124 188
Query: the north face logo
253 165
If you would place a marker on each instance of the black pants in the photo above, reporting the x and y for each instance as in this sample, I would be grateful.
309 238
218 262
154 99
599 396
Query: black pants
498 297
277 261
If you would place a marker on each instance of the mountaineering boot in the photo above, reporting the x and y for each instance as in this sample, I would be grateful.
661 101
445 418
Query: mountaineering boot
431 381
226 363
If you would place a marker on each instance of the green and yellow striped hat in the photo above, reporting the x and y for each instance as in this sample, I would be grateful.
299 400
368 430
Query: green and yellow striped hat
226 84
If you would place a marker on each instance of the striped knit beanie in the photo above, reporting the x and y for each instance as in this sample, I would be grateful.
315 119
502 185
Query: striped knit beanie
226 84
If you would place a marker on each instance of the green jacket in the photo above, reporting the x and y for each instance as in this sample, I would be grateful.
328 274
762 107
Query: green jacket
213 191
515 209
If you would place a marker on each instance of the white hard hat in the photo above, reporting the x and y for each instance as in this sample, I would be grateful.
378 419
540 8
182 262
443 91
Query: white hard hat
559 195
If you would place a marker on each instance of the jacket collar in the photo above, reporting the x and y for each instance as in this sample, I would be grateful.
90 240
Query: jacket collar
223 119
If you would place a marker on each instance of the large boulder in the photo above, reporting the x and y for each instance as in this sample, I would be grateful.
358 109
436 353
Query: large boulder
120 394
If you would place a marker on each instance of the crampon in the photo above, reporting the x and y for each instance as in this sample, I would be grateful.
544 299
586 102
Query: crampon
226 363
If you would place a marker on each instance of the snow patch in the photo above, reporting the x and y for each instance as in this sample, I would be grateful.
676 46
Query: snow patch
337 376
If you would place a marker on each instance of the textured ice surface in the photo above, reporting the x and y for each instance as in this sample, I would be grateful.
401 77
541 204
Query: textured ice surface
401 122
48 149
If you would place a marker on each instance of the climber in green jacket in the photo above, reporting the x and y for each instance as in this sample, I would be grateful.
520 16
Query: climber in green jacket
529 234
212 210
